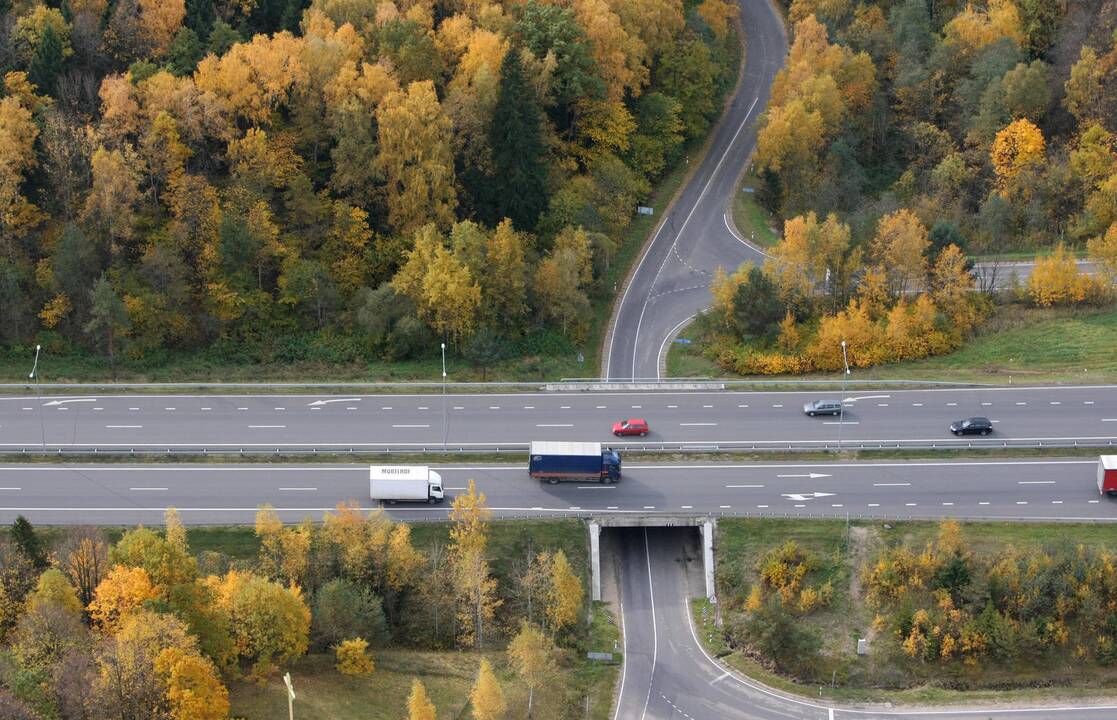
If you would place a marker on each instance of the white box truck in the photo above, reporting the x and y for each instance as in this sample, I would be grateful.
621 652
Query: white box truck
404 483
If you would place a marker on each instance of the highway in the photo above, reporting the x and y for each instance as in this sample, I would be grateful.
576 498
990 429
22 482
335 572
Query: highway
1020 415
127 493
671 280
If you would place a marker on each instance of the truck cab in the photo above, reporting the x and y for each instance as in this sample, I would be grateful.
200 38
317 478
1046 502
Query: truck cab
611 460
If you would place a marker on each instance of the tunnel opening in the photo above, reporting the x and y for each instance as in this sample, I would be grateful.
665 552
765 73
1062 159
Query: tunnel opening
630 543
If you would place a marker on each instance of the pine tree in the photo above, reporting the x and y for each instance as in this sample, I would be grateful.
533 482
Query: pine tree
47 63
24 537
519 153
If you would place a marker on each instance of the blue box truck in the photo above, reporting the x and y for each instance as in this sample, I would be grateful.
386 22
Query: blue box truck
585 461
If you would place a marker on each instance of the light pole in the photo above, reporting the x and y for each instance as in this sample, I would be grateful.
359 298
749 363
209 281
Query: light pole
39 395
842 399
445 428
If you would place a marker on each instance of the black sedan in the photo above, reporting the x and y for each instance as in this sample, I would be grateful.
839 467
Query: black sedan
972 426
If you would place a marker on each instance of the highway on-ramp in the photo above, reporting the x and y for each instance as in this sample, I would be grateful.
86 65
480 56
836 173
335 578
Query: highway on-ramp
672 278
1020 415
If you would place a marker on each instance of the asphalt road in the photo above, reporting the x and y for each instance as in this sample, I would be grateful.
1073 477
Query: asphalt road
671 281
668 676
764 419
211 493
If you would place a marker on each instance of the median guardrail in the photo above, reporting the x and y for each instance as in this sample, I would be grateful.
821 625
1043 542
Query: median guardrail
264 449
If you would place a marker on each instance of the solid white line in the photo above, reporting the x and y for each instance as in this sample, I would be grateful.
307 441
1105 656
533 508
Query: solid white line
624 660
124 426
411 426
1035 482
663 347
655 631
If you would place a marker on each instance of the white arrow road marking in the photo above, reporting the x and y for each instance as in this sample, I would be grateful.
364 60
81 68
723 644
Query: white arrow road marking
319 403
866 397
62 402
805 496
812 476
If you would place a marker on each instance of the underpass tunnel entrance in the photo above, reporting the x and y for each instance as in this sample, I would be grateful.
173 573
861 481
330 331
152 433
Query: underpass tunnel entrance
634 543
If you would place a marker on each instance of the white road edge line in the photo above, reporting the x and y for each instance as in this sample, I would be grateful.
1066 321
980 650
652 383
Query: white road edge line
655 630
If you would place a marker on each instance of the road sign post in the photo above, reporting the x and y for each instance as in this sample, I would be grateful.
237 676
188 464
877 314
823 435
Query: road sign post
290 696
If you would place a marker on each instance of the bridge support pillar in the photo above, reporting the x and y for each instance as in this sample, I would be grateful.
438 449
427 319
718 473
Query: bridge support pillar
708 528
595 560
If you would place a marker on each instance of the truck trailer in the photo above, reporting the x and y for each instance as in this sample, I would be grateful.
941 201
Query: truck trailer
585 461
404 483
1107 475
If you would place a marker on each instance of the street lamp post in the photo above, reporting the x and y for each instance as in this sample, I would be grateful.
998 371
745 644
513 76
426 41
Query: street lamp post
842 399
445 428
39 395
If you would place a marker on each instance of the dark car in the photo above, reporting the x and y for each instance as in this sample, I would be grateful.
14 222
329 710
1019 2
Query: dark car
823 407
632 426
972 426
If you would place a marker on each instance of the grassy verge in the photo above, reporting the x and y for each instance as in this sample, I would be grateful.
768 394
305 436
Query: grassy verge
885 675
1017 345
753 222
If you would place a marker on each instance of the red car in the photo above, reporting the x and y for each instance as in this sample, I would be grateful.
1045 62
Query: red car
632 426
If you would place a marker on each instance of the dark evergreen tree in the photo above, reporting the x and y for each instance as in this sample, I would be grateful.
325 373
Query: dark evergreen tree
757 308
46 65
199 17
28 542
519 153
185 52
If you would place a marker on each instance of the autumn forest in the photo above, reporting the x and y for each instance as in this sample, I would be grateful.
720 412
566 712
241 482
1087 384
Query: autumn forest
271 179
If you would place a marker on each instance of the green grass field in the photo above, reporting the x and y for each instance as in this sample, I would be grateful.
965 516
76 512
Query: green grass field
1016 345
753 222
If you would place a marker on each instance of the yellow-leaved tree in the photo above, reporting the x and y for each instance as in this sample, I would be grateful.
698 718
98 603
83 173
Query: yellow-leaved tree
353 658
123 591
194 689
532 655
566 596
416 158
899 247
486 697
1018 146
1103 251
474 587
419 705
1056 280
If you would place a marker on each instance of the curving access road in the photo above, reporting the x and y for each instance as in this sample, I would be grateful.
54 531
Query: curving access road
672 278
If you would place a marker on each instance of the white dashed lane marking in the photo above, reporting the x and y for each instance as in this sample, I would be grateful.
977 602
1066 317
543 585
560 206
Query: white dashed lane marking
263 427
124 427
411 426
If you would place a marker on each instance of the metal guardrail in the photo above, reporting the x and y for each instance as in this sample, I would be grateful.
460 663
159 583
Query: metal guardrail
570 384
521 448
